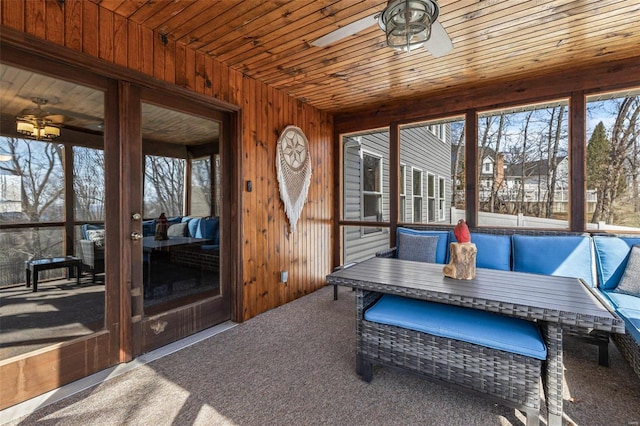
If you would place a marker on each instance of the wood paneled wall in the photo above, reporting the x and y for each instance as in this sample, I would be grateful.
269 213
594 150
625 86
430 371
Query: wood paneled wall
267 246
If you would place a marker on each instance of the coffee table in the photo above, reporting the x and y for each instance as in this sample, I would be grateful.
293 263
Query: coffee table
36 265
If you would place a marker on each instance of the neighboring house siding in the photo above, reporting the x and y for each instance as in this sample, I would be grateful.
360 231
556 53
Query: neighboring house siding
420 149
357 245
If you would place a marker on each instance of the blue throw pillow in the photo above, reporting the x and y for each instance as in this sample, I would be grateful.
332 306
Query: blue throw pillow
419 248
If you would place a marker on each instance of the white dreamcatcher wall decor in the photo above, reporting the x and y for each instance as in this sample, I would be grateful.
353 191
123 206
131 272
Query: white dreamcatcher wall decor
293 164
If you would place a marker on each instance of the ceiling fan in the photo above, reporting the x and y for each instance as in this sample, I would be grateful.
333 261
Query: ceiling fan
51 119
408 24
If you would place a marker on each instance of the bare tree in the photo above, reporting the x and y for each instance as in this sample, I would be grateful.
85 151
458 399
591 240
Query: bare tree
553 145
88 183
624 135
39 168
164 186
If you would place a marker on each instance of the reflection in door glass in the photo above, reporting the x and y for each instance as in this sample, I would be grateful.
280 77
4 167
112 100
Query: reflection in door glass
50 292
181 227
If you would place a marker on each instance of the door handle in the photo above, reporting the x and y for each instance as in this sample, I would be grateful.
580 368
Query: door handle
135 236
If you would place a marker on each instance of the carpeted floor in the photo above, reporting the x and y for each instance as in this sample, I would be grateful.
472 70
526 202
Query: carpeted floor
294 365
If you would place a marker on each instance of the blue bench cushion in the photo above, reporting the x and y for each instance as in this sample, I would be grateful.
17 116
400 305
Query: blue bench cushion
494 251
612 254
442 250
470 325
566 256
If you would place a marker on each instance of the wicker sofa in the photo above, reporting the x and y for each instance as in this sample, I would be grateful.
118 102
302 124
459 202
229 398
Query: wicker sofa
612 253
91 244
598 260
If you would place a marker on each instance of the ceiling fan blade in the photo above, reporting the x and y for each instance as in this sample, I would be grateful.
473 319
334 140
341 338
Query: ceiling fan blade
57 118
346 31
439 44
70 114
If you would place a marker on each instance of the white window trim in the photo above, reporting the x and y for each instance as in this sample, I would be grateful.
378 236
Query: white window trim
432 197
403 193
413 194
442 199
364 152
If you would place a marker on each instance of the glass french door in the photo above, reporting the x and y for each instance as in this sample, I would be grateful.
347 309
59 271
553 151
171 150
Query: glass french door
181 279
57 293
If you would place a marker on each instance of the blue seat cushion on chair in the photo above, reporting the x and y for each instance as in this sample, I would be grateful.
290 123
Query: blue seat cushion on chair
566 256
207 228
612 254
469 325
89 227
494 251
442 250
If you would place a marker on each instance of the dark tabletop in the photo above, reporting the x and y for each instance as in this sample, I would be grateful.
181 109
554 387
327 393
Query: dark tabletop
562 300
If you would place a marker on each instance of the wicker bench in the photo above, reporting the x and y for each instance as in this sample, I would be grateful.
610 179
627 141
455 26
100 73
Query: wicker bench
508 372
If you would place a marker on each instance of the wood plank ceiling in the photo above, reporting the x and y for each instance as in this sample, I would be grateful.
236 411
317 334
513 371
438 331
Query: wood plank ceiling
493 41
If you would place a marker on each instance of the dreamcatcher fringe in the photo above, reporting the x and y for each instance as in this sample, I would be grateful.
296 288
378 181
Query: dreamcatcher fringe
293 209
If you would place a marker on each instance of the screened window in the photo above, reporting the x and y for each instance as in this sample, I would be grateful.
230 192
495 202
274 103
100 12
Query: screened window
164 181
613 161
525 166
201 189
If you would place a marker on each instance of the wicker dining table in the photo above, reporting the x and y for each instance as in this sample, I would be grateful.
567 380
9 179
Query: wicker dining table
554 302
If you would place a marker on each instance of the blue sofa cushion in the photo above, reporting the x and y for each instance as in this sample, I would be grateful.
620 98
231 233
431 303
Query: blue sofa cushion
149 228
215 233
193 227
612 254
631 319
567 256
89 227
442 251
622 301
470 325
494 251
419 248
174 220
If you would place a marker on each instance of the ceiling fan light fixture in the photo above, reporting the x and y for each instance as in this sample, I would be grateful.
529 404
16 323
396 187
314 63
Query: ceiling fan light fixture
407 23
35 124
